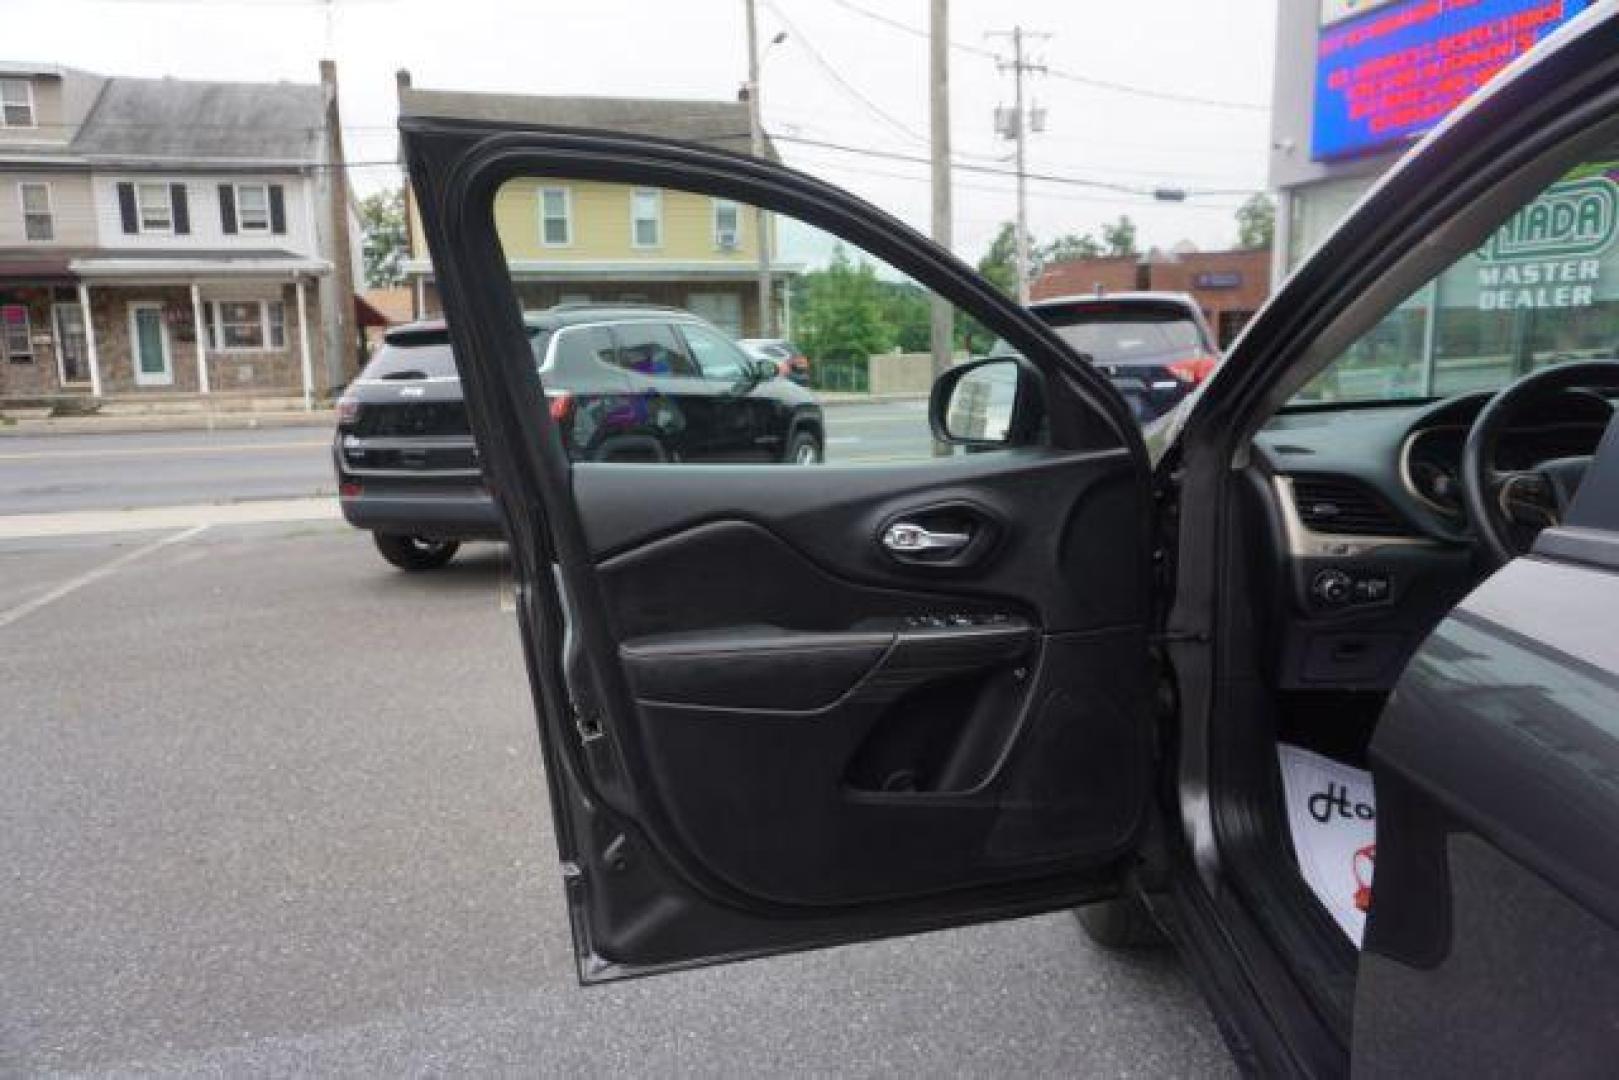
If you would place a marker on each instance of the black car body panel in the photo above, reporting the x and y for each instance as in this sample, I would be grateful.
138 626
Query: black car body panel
404 452
1495 786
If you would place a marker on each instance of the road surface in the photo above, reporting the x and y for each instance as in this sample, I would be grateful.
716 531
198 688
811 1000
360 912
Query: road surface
52 473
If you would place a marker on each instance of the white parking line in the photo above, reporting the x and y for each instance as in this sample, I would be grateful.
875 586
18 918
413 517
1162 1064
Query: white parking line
87 522
73 585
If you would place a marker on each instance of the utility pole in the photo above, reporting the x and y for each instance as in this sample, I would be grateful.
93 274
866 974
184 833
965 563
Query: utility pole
761 221
1016 126
943 329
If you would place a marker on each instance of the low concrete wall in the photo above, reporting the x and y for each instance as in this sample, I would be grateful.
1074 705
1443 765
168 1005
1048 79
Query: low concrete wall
903 373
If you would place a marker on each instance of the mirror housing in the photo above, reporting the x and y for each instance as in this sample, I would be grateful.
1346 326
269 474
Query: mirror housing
762 370
989 403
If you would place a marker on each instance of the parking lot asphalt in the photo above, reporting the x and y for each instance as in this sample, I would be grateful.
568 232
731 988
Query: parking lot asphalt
271 807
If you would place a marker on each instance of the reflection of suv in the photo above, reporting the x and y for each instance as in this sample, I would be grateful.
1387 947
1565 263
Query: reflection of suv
1154 347
625 384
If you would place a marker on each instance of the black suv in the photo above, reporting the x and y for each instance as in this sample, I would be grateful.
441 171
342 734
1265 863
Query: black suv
623 383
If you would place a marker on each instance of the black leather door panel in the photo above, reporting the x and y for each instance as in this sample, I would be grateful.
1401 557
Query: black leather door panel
1066 558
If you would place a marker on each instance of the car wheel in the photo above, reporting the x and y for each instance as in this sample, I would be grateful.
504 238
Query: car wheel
804 449
1121 923
415 552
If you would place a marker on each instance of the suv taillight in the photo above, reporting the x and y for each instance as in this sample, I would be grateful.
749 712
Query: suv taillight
347 410
1193 371
561 404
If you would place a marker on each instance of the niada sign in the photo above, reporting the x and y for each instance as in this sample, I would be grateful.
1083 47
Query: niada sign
1550 255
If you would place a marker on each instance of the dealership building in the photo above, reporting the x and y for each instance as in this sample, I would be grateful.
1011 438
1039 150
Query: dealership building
1359 81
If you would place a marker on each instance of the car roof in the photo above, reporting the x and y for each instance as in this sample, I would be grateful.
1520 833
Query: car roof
1117 298
551 318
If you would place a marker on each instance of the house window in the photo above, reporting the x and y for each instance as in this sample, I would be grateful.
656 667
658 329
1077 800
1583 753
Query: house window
253 208
155 209
646 218
16 333
16 103
245 325
36 212
727 225
556 217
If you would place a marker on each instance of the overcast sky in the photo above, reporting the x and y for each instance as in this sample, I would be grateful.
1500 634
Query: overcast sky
1206 50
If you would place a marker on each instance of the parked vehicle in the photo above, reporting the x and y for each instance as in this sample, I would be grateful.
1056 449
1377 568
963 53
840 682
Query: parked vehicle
1156 347
787 708
622 384
788 358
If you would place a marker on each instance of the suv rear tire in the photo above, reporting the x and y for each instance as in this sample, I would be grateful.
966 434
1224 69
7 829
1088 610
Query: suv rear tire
415 552
804 449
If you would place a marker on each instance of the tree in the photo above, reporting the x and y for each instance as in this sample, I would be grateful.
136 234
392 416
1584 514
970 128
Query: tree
1119 238
840 315
1070 248
1256 222
999 263
382 227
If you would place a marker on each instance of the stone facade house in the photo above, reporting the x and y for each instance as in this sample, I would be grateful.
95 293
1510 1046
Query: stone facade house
169 237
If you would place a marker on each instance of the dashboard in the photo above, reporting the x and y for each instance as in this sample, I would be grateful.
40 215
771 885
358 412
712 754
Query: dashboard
1373 542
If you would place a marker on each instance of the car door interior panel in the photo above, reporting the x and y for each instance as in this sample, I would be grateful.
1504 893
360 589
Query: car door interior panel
889 725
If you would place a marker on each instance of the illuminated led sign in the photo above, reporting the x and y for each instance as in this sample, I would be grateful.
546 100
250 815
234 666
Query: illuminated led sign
1389 70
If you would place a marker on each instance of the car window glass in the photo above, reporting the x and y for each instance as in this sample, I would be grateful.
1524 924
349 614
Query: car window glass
651 348
1542 290
579 345
716 357
846 338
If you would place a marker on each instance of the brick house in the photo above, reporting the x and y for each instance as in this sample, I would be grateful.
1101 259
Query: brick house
1229 285
167 237
570 240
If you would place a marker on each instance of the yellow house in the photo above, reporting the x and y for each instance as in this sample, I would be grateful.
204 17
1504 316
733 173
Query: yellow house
570 241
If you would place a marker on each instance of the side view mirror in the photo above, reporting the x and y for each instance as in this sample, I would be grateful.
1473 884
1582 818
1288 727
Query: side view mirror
986 403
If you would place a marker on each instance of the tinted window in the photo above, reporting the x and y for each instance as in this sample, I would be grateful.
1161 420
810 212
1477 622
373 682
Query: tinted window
1129 337
650 348
716 356
583 345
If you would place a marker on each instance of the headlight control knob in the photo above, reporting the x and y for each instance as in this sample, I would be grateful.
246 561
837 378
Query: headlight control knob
1332 588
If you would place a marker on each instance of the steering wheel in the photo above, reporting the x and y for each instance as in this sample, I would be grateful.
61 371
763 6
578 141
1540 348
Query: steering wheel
1508 508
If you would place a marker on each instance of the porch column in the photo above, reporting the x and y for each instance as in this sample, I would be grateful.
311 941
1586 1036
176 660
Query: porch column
202 337
303 346
90 339
786 309
421 296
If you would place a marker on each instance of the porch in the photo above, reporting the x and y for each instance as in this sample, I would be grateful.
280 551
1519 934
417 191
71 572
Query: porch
103 328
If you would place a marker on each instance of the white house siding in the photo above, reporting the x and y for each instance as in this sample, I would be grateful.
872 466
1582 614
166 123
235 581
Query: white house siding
207 229
72 209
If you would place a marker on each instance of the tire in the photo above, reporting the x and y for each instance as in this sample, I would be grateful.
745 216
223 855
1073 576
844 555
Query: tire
1121 923
415 552
804 449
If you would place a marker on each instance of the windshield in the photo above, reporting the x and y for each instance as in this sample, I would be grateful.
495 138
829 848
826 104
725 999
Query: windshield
1114 336
1543 290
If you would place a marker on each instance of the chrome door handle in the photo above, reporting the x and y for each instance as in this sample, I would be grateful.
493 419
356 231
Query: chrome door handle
905 538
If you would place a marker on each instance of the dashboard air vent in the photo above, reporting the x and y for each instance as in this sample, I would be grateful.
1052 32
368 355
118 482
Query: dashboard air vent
1345 507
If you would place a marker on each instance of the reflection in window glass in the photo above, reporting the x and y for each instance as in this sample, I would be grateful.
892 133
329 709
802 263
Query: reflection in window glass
717 357
1543 289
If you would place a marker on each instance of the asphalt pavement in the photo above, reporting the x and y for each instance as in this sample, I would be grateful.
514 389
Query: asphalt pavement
53 473
272 807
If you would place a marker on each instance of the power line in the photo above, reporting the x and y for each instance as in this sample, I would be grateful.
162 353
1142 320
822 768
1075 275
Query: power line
1059 73
797 37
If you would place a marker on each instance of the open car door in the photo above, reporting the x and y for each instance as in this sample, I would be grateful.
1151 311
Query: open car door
790 705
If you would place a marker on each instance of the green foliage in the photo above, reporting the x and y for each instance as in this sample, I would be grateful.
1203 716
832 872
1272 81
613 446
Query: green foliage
382 226
1256 222
1119 238
1071 247
999 264
840 311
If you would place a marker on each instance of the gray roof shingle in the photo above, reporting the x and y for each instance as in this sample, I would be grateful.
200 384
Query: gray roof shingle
192 121
722 124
